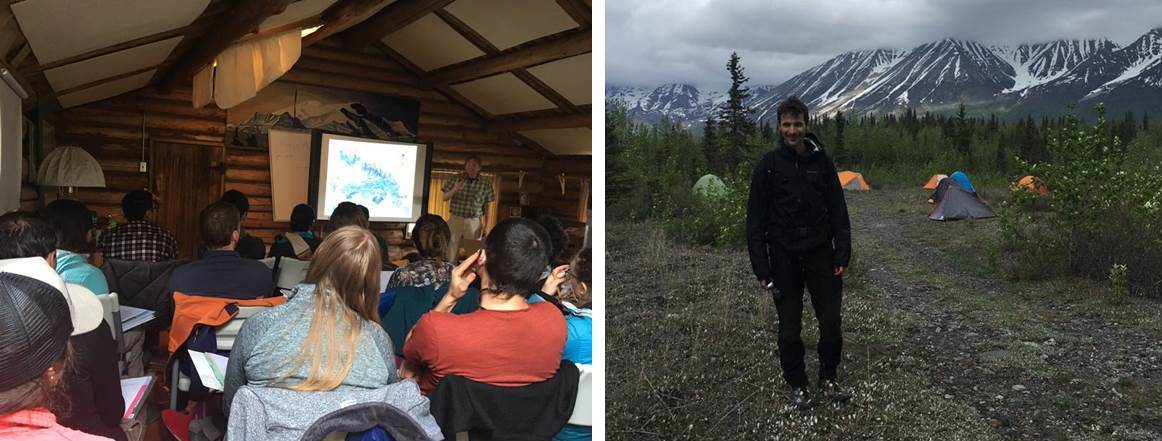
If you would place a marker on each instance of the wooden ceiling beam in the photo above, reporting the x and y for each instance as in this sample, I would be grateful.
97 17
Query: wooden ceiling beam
563 45
544 89
528 143
388 20
241 20
342 16
541 120
581 13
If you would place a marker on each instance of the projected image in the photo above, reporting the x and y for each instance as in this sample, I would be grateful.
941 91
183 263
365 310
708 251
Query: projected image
376 175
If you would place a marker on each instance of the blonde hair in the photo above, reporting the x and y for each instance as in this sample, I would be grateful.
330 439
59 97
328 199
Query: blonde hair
345 271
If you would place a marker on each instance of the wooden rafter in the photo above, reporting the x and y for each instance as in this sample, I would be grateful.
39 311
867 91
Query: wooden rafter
389 19
491 50
542 119
552 48
104 80
544 89
342 16
243 18
533 145
200 24
579 11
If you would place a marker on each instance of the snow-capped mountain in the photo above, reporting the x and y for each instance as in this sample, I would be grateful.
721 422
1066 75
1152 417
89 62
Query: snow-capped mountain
1040 78
679 102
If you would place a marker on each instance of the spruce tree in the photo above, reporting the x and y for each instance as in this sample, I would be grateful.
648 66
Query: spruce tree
710 144
838 151
734 116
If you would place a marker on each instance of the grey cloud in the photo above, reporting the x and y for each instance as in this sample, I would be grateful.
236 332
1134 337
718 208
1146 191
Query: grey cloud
649 42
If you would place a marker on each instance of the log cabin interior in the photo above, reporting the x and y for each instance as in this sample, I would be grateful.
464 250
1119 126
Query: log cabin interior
140 84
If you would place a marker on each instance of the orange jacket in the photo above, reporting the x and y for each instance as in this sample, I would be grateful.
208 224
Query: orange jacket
189 311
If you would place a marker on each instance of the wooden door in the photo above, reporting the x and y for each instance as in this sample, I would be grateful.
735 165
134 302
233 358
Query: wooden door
186 177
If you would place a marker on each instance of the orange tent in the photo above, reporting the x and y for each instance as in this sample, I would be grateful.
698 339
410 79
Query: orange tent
850 180
934 181
1033 183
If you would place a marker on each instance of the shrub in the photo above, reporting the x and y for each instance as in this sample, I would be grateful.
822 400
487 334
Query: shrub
1103 209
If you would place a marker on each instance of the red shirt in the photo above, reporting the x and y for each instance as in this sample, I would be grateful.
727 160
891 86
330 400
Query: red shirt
502 348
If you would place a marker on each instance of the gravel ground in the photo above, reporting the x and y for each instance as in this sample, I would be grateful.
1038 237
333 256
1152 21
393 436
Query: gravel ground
937 347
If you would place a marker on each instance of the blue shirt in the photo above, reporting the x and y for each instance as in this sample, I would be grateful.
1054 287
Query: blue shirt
75 268
223 274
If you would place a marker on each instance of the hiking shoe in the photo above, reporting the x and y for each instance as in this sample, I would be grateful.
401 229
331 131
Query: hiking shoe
833 392
801 398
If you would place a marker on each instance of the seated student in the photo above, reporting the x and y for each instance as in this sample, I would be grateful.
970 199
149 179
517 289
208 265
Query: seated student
248 246
431 237
299 243
508 341
327 335
138 239
578 309
557 237
74 226
27 247
350 213
35 341
222 272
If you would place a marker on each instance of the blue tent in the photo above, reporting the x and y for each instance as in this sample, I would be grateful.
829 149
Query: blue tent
962 180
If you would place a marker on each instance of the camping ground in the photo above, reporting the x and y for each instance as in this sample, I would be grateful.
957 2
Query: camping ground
937 345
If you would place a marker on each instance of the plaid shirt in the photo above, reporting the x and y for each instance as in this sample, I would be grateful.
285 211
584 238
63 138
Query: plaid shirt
469 201
139 241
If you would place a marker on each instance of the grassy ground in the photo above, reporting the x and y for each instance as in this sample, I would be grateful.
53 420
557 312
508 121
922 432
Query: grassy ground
937 346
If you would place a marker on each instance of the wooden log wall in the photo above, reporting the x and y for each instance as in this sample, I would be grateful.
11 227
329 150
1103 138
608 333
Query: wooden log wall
111 130
566 206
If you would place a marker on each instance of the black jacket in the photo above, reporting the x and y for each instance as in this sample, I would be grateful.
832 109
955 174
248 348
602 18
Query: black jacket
528 413
796 203
94 385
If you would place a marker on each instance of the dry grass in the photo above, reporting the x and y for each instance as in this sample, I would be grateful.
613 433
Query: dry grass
934 343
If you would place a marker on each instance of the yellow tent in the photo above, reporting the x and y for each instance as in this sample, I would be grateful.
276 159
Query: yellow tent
850 180
934 181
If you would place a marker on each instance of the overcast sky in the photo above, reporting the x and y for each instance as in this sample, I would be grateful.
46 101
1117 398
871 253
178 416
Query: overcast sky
651 42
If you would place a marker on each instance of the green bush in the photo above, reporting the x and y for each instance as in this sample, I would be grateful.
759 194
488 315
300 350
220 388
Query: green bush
1103 209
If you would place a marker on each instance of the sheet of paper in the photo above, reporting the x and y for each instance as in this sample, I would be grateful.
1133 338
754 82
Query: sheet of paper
133 390
133 317
211 368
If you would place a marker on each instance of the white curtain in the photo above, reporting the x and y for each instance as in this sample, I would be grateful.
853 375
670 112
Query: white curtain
245 68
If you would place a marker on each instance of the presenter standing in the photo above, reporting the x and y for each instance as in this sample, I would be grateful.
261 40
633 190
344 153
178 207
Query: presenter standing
470 195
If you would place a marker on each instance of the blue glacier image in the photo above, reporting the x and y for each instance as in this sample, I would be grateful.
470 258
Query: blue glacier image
375 185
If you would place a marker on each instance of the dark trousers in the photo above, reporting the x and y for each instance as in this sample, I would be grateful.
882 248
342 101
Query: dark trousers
814 270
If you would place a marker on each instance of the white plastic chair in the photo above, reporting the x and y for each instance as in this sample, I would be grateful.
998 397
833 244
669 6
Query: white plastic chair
224 336
111 307
583 409
291 271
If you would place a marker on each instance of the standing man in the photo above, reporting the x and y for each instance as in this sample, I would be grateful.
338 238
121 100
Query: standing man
470 195
798 234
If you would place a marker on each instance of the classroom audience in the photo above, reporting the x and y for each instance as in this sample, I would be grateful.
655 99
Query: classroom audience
299 243
248 246
28 247
508 341
138 239
73 223
222 272
327 335
431 237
